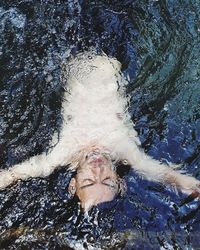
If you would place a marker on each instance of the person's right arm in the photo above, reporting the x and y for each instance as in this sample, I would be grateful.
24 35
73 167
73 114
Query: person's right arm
37 166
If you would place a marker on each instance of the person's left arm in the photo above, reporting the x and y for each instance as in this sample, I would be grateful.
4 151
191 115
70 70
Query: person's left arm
153 170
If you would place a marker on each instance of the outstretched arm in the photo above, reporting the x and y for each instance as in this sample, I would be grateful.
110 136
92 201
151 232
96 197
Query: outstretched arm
155 171
37 166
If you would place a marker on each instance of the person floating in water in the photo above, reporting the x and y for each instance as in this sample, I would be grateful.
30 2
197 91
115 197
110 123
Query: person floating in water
97 135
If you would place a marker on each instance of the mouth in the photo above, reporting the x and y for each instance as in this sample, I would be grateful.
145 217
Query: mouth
96 160
95 157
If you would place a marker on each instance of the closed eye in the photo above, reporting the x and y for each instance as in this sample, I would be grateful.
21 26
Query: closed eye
109 185
87 183
109 182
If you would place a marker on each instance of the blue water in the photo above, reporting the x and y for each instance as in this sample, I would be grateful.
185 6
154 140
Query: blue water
157 43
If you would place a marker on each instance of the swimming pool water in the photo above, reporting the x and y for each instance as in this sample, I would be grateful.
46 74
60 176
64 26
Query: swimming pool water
157 43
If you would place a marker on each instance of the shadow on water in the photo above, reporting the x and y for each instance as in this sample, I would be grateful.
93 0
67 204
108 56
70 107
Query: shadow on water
157 43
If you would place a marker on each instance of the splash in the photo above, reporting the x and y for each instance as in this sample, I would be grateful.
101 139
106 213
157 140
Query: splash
157 43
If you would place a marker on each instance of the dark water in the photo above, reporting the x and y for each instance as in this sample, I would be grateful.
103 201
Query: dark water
157 43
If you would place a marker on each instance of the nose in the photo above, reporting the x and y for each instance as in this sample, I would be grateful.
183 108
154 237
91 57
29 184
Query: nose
98 169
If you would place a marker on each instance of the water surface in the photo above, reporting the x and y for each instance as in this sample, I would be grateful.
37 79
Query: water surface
157 43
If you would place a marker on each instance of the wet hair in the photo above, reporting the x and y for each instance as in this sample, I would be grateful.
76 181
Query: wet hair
122 169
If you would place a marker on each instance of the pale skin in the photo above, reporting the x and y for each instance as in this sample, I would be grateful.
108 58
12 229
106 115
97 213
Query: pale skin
95 119
95 181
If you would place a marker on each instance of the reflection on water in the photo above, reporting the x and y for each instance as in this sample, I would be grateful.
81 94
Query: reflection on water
158 45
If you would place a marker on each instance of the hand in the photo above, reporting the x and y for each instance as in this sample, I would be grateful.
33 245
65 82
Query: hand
188 185
6 178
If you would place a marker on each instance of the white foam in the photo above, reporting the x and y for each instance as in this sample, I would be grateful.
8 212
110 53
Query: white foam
93 100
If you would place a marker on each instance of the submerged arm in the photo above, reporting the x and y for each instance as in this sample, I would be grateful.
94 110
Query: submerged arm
155 171
37 166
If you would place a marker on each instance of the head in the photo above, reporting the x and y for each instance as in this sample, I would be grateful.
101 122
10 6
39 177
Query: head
96 180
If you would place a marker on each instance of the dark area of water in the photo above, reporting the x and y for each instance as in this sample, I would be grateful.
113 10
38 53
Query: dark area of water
157 43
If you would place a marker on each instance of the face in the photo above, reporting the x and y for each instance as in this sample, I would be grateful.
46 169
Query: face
96 181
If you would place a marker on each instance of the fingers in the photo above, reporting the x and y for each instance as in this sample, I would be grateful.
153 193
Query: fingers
196 192
191 186
6 179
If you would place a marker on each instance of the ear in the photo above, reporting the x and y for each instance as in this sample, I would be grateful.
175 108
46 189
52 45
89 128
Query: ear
72 187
